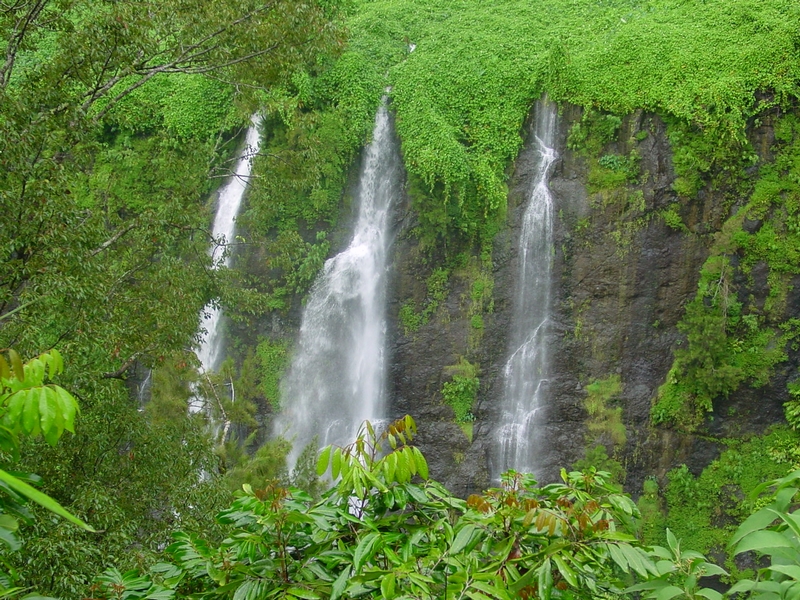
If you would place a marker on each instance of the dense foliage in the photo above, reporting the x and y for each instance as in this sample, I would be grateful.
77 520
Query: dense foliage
385 530
116 121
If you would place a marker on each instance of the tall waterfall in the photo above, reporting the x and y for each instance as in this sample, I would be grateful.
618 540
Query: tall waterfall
337 376
230 199
526 371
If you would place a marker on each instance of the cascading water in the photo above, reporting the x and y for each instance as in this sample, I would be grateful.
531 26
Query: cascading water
336 379
230 199
526 371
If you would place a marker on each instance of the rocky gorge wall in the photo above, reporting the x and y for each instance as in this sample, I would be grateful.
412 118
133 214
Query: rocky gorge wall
622 277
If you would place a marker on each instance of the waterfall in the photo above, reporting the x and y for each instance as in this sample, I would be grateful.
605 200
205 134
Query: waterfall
230 199
526 370
336 379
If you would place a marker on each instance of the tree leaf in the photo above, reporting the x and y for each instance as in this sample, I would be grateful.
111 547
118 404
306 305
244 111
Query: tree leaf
5 372
340 584
667 592
672 542
463 538
388 586
618 557
67 405
762 541
792 571
545 580
323 460
709 593
365 549
16 364
303 593
422 464
42 499
47 414
566 571
30 412
336 465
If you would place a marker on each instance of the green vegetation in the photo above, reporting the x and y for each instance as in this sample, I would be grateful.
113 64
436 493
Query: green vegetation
605 428
731 342
605 420
385 530
704 511
116 122
437 288
461 97
461 392
272 361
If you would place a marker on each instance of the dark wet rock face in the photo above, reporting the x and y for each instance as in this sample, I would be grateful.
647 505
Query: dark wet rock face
621 279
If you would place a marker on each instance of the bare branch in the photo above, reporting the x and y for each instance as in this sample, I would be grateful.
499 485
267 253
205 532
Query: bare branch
112 239
118 374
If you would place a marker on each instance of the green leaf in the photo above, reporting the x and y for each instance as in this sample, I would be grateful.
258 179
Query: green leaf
667 592
545 580
388 586
763 541
365 549
42 499
340 584
792 571
303 593
422 464
68 407
618 557
755 522
337 463
566 572
672 542
9 539
47 413
30 412
16 365
160 595
710 570
323 460
5 372
463 538
709 593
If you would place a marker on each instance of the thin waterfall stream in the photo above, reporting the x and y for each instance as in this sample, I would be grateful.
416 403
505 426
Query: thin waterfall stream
228 205
527 368
337 376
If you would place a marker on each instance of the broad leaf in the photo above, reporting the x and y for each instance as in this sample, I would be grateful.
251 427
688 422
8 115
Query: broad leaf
41 499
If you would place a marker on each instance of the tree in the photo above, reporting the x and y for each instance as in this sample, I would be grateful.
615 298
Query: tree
107 142
29 408
386 530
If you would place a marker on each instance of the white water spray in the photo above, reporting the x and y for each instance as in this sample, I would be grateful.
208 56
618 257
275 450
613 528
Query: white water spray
230 200
527 369
337 376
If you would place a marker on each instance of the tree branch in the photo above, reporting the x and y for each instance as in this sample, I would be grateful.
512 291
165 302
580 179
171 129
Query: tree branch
112 239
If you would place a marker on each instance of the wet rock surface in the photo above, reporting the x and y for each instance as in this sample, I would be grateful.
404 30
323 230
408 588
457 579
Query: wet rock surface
615 312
